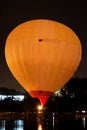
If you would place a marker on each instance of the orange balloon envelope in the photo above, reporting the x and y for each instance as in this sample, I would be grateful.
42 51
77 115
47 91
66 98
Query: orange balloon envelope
42 55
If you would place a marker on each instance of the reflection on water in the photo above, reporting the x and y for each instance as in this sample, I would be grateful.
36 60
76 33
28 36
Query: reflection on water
53 118
84 122
18 125
2 125
22 124
39 127
14 125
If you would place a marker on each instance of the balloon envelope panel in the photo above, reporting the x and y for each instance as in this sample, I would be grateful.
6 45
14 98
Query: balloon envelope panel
42 55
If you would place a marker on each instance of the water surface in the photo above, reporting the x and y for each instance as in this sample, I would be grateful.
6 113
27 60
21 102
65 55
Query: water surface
61 124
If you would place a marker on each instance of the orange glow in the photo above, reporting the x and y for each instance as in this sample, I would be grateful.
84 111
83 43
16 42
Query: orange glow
42 95
40 107
40 127
42 55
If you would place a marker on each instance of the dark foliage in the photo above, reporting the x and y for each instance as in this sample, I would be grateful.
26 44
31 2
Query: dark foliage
74 95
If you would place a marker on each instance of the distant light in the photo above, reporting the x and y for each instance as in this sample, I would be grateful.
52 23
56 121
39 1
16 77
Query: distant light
2 97
72 95
18 97
13 97
83 111
58 93
77 111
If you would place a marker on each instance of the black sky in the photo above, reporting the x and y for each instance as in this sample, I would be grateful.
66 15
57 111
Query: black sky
72 13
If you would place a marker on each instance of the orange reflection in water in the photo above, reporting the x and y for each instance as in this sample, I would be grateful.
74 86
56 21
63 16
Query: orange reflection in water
40 126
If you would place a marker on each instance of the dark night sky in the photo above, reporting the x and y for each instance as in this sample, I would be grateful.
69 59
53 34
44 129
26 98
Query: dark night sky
72 13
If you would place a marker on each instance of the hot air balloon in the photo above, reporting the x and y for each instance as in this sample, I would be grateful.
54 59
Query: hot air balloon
42 55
